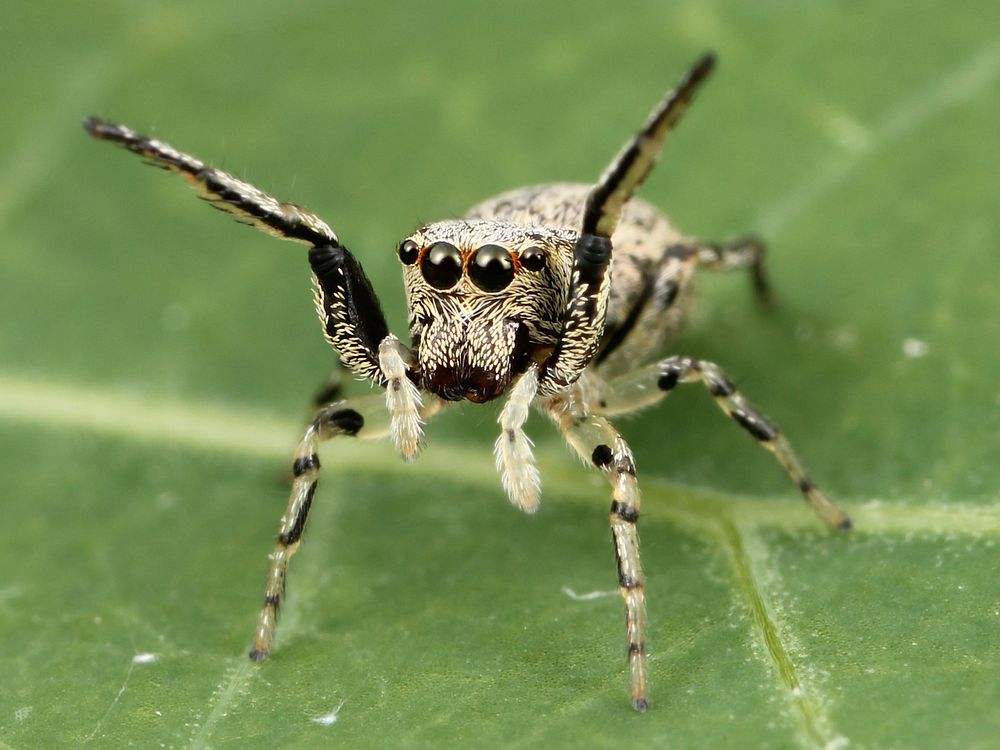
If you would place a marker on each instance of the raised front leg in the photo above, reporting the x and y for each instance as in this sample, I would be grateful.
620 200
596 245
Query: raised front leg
352 317
246 202
583 320
648 385
599 443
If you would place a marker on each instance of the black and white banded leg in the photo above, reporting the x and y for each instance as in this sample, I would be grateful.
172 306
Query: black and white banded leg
744 252
365 417
586 308
597 441
649 384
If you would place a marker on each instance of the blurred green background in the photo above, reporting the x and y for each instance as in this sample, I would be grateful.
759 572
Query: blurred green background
156 362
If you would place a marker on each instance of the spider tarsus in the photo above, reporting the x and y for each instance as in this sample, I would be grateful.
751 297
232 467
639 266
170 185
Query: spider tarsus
640 705
846 525
256 655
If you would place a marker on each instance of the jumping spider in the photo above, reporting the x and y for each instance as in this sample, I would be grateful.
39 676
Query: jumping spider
517 298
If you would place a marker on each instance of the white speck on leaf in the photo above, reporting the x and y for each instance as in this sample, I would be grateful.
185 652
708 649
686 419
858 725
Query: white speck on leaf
327 720
914 348
23 713
588 596
144 658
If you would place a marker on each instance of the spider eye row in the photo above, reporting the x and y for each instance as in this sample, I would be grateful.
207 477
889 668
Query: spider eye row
491 267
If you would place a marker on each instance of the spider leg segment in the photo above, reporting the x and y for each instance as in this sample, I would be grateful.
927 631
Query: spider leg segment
241 199
363 417
352 317
332 387
597 442
649 384
515 461
347 306
637 159
583 319
744 252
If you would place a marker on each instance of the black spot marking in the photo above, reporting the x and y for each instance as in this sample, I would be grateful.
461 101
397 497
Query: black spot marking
757 427
628 582
680 252
673 289
636 648
601 456
272 600
256 655
301 465
668 380
722 386
806 485
846 525
624 511
592 254
347 420
295 533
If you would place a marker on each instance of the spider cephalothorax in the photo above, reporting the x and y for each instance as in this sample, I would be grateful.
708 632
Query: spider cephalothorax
516 300
486 298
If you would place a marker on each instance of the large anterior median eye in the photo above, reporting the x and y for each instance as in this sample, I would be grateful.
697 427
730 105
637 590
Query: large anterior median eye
442 265
491 268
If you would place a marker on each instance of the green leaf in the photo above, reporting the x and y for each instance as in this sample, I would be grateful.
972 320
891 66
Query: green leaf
156 363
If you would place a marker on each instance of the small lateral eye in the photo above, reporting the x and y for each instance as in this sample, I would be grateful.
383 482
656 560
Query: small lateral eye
491 268
408 252
533 258
442 265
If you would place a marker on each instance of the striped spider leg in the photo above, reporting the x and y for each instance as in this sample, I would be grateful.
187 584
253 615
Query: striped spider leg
647 385
365 417
610 328
597 442
591 435
353 323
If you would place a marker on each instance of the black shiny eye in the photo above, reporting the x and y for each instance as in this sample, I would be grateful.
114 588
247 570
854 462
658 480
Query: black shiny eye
442 265
533 258
491 268
408 252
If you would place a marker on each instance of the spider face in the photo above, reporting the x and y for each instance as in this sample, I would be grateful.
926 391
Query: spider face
485 299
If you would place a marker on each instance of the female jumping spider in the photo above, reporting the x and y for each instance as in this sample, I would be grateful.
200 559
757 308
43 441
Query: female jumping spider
517 298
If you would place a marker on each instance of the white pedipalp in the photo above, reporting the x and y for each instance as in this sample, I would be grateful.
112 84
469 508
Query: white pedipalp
514 457
402 399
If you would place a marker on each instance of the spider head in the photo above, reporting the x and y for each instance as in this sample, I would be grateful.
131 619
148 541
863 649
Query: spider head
485 299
